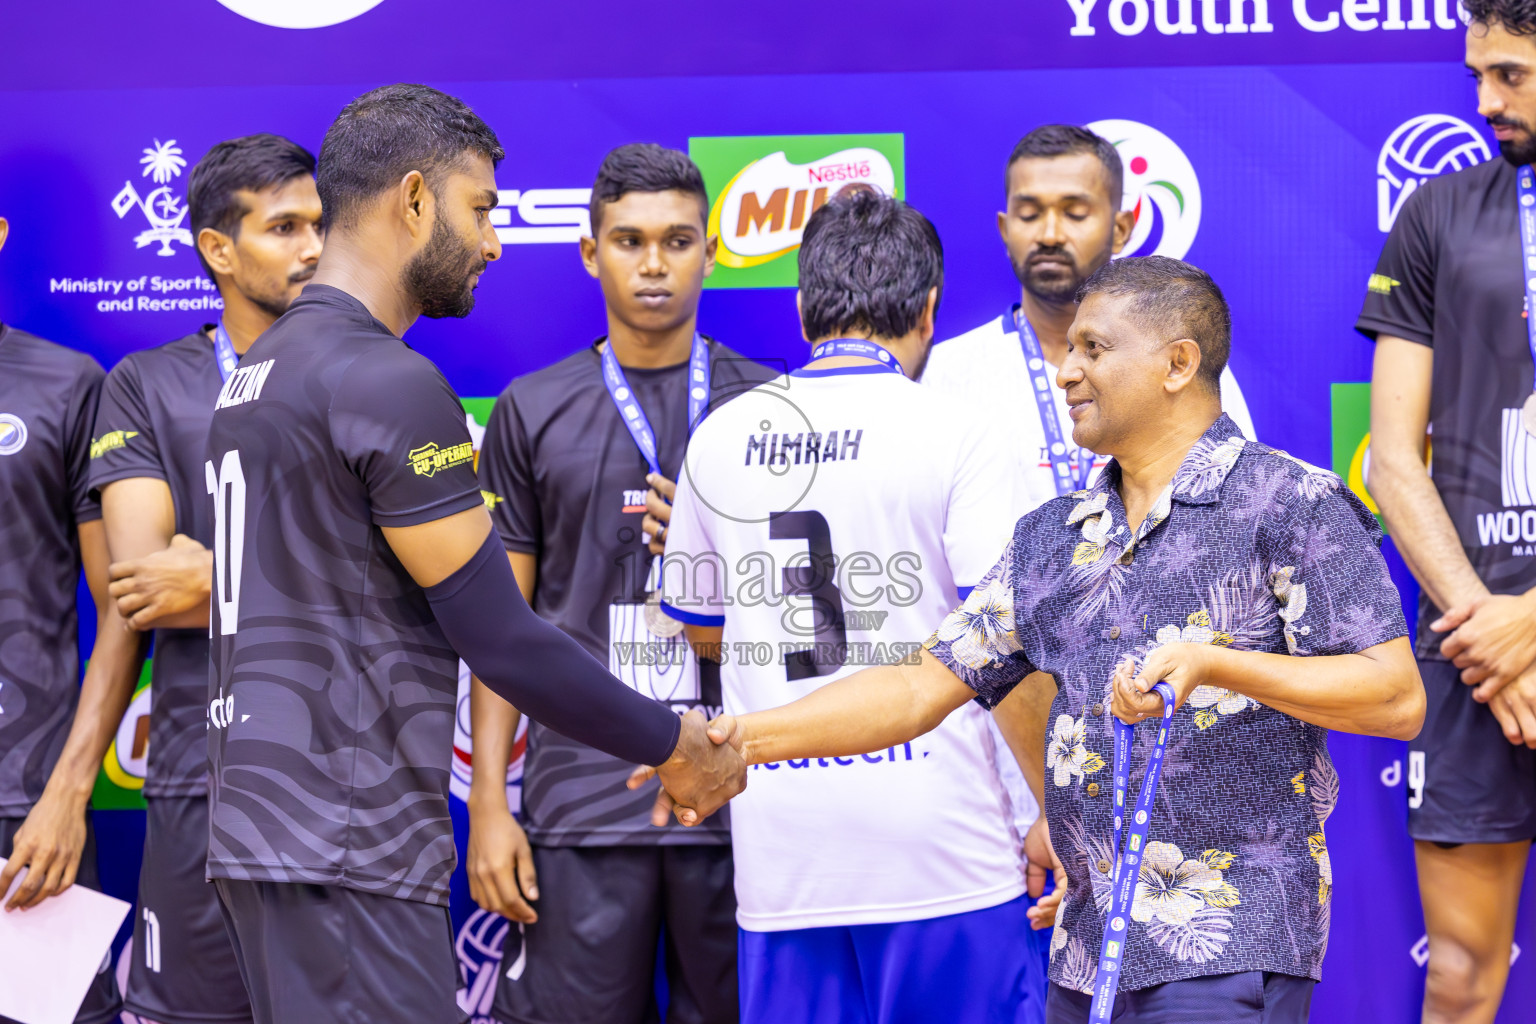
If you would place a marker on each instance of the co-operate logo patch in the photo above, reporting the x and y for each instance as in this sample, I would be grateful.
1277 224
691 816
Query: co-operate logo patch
300 13
1161 189
1421 148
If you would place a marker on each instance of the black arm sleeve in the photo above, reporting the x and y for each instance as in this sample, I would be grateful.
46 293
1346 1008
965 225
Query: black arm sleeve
541 671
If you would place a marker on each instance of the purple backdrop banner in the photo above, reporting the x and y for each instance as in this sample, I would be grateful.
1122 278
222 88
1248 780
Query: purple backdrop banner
1291 131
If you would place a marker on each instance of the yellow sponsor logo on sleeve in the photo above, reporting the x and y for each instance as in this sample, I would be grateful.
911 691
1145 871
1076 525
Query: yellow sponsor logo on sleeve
430 458
1381 284
111 441
491 500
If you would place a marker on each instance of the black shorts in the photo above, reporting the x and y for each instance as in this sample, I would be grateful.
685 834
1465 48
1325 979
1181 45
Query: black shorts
102 1002
1252 997
183 969
325 953
602 911
1466 782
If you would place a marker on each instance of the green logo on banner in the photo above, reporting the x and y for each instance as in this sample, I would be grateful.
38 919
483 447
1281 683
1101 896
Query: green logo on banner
765 187
1352 438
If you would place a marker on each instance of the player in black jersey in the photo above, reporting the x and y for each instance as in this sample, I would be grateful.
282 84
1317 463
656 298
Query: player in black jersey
1447 308
256 216
50 529
353 559
564 478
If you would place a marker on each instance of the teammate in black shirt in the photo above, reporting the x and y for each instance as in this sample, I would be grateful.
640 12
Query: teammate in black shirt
256 214
1453 353
353 558
50 529
564 479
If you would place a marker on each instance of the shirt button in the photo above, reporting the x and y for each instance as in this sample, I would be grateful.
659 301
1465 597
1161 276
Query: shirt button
1103 867
1097 709
1114 632
1093 789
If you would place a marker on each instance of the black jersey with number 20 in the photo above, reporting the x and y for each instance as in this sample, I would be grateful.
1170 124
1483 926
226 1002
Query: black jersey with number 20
332 690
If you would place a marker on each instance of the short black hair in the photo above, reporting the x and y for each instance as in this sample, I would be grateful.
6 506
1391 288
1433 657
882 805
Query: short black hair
1175 300
867 263
646 167
1517 17
383 135
1051 140
251 163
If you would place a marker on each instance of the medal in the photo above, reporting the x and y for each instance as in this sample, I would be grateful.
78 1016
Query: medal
661 625
1528 415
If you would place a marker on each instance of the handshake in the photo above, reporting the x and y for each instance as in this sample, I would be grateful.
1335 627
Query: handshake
705 771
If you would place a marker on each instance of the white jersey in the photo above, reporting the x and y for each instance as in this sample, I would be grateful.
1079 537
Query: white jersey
827 520
985 370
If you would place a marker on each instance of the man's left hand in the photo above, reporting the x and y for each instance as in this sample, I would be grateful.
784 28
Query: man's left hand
166 583
658 512
1181 666
1492 641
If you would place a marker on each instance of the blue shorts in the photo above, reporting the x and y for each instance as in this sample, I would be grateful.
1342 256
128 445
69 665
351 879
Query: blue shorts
984 967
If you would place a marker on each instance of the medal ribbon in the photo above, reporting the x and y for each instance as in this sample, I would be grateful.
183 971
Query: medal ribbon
1527 185
858 347
629 406
1045 404
224 352
1127 861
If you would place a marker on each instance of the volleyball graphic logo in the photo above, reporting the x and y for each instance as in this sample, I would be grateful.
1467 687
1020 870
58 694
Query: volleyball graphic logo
1421 148
479 946
1161 189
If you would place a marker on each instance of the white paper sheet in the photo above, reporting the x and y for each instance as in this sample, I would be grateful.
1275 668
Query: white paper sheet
49 954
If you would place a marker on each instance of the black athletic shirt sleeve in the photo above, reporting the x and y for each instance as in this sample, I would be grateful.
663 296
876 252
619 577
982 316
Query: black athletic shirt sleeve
400 428
125 445
1400 295
506 475
542 672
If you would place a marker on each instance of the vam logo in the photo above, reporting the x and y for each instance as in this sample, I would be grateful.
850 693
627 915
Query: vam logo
767 187
1160 189
13 433
1421 148
162 208
300 13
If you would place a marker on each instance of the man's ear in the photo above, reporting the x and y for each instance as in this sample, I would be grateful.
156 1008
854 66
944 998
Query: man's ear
927 323
1002 227
416 204
1125 220
5 230
799 317
1183 364
217 250
589 254
711 245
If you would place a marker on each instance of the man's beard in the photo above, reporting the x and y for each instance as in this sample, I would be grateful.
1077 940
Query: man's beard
439 276
1518 151
1047 283
276 305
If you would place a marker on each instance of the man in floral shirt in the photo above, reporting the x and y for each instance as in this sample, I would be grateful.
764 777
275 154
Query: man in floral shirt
1202 560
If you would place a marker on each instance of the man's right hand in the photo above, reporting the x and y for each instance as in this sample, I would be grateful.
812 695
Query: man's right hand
703 773
48 845
1037 847
500 864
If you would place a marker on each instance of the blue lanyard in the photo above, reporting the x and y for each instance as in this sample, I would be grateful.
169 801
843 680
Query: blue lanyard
858 347
1527 185
1040 381
224 352
629 406
1127 861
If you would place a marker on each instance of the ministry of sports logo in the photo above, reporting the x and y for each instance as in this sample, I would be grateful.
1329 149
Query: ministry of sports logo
1421 148
1161 189
162 208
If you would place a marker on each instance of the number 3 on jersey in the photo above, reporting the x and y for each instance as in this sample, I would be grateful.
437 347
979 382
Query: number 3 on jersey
227 486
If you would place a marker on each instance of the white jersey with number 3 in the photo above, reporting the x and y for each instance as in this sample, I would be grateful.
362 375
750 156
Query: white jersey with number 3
827 520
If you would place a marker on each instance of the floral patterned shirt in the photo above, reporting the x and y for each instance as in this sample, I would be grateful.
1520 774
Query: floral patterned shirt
1248 548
